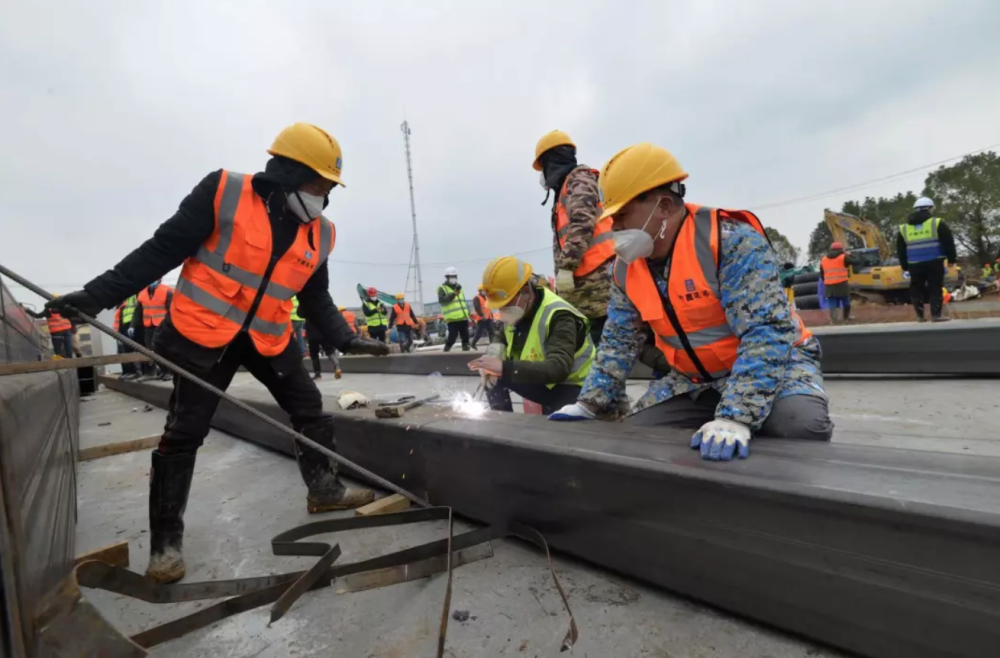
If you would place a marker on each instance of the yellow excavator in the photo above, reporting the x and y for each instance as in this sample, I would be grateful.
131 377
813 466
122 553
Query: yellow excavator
877 276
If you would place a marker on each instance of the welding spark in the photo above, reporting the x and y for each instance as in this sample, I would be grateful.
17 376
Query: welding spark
463 403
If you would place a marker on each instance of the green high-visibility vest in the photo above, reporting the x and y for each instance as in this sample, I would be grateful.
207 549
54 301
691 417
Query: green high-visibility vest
922 243
376 320
456 309
295 310
128 310
534 346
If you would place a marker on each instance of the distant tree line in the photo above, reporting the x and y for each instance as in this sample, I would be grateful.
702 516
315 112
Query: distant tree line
966 195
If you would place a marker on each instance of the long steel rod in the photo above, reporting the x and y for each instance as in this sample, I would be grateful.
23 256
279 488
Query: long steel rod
304 440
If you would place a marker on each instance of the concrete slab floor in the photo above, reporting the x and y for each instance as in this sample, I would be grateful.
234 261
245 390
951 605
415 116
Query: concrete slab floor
243 495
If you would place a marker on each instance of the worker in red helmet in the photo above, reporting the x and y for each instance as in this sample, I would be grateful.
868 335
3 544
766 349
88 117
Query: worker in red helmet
834 270
375 315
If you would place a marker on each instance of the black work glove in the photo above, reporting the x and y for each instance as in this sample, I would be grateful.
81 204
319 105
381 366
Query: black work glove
457 286
367 346
72 304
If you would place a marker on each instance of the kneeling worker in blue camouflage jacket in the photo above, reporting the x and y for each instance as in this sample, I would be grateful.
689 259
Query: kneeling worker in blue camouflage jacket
545 350
705 283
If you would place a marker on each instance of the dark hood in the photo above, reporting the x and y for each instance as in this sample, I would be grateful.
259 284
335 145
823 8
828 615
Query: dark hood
918 216
282 175
556 164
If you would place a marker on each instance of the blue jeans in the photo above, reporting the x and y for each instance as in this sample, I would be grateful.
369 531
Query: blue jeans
62 344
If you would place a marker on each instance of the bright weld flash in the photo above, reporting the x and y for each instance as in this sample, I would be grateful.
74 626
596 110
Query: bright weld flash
465 405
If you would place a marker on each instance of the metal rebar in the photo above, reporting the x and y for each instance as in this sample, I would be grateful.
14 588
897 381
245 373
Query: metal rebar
304 440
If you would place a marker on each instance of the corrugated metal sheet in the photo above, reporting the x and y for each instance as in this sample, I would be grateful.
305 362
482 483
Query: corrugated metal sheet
39 432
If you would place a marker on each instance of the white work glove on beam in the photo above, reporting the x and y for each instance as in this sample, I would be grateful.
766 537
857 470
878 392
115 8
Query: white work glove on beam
720 439
574 411
564 281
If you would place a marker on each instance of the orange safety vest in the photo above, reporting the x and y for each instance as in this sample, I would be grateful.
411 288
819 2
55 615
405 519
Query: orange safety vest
118 316
403 316
602 247
482 305
690 324
154 309
221 282
57 323
834 270
352 320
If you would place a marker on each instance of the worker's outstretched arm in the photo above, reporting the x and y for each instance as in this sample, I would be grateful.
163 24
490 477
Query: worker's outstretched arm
582 199
317 308
760 315
622 341
560 349
175 239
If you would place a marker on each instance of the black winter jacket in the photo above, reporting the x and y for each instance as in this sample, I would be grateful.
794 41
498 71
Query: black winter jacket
180 236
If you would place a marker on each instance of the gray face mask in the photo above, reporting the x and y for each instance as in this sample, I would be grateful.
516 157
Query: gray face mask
305 206
631 244
541 181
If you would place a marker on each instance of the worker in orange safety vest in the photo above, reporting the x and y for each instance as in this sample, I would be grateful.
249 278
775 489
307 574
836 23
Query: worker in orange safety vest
834 270
403 318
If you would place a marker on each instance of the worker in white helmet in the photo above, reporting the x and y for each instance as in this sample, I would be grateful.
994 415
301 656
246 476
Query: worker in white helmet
924 246
455 310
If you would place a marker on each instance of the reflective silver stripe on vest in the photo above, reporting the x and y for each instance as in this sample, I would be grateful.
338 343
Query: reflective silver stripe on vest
620 274
588 344
700 338
227 211
228 311
217 263
603 237
703 249
325 239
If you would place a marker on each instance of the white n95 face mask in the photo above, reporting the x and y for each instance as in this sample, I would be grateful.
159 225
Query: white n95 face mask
306 207
511 315
631 244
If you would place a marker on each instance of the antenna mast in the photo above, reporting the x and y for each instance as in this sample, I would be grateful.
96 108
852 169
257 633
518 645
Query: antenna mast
405 127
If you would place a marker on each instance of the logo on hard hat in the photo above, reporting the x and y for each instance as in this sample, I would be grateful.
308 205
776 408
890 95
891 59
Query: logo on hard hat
339 164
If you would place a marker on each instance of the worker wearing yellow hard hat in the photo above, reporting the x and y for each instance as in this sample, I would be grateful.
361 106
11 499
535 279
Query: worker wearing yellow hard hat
405 321
702 284
582 242
248 244
544 351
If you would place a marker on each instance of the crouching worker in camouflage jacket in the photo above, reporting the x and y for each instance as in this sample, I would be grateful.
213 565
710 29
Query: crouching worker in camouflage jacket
544 352
705 281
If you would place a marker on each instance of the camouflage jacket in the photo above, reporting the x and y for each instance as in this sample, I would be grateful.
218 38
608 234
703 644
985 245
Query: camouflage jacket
768 364
582 201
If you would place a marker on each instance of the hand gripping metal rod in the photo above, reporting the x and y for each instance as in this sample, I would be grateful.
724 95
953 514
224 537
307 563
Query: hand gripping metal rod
304 440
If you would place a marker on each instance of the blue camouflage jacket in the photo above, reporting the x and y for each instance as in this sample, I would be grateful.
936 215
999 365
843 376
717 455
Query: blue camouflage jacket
768 364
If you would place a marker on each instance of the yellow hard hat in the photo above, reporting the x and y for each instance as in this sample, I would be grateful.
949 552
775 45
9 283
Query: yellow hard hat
634 170
313 147
400 296
502 278
341 308
550 141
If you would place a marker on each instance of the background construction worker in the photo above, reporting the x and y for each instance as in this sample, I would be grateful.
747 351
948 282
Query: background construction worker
833 269
987 270
298 324
150 312
454 309
582 246
545 350
123 322
349 318
232 307
376 316
741 361
924 246
60 330
316 346
405 321
484 317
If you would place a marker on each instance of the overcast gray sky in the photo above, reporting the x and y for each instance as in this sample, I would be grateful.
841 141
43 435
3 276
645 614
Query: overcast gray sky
112 111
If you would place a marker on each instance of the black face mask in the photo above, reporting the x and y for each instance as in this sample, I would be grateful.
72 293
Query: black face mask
556 165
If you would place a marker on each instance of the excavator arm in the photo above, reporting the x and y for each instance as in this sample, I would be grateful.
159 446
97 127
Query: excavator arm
841 223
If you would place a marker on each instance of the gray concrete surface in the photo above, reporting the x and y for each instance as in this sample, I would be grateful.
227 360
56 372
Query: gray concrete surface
243 495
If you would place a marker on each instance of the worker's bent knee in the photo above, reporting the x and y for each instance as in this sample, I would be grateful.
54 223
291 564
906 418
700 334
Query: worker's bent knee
799 417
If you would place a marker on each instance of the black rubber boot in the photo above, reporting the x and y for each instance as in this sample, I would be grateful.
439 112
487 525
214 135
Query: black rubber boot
169 485
326 492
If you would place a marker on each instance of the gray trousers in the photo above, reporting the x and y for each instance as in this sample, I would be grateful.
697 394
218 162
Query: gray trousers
794 417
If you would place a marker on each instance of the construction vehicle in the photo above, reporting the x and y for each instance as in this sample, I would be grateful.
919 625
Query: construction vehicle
876 275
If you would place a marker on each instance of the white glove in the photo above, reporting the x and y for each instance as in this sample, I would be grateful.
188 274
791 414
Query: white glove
498 350
574 411
564 281
720 438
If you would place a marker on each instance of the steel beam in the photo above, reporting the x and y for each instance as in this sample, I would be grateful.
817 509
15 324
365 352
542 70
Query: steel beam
960 347
884 552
